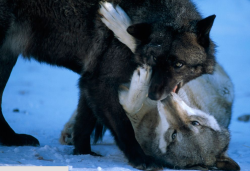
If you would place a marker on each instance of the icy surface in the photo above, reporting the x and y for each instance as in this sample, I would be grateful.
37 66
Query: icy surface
39 99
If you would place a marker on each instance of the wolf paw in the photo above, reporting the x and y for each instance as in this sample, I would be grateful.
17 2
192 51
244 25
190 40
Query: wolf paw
147 164
67 132
66 138
20 140
76 152
141 78
144 73
118 22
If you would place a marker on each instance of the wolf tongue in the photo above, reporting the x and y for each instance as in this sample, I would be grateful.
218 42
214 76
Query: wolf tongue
175 88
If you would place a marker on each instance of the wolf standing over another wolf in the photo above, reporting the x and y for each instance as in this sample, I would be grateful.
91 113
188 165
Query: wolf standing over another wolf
171 37
188 130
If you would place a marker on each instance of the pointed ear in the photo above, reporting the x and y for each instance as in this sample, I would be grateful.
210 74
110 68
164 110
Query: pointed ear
203 29
140 31
226 163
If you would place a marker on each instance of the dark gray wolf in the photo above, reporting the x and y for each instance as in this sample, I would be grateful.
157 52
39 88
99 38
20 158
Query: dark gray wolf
192 123
171 37
187 130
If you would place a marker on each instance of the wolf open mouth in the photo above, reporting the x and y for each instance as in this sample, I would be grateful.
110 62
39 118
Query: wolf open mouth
177 88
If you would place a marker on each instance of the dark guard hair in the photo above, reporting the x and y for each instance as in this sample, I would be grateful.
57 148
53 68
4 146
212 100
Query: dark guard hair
71 34
177 55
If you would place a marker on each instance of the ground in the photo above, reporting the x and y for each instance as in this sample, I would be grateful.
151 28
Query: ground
39 99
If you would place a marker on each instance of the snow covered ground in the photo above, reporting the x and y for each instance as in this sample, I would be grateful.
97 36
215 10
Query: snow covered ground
39 99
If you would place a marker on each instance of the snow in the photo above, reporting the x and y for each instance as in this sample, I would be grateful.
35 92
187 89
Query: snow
39 99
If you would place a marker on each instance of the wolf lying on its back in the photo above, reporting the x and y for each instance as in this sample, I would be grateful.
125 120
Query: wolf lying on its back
187 130
171 37
177 135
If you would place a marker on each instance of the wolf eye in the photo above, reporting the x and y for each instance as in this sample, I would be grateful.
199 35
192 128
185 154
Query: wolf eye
174 135
195 123
178 64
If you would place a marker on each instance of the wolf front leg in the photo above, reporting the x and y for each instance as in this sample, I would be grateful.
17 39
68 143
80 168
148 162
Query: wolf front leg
132 100
7 135
83 126
102 98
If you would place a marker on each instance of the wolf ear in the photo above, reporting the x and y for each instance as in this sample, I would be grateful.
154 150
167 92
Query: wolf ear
140 31
226 163
203 29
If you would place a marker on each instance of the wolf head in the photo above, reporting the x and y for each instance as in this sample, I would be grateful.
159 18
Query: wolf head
183 137
176 55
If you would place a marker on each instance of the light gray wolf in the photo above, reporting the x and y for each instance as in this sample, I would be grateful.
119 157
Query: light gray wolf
187 130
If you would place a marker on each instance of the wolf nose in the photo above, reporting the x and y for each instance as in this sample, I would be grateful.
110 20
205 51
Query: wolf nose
155 93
